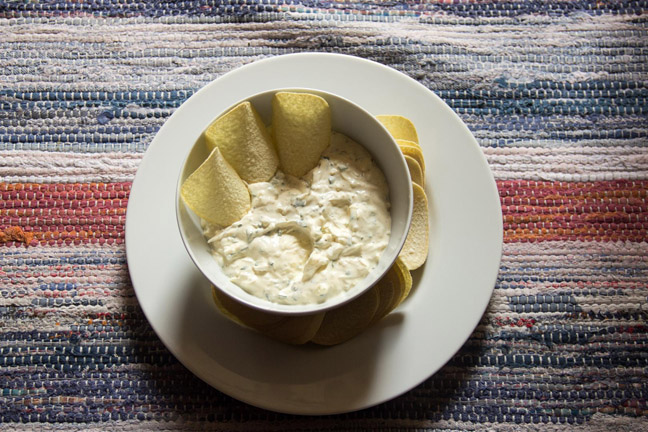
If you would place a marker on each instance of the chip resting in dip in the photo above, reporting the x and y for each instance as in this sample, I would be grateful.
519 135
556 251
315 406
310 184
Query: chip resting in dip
317 225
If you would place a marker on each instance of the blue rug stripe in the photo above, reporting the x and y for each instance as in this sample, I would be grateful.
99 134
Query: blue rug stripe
116 8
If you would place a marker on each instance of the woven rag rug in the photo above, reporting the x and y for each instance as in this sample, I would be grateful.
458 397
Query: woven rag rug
556 93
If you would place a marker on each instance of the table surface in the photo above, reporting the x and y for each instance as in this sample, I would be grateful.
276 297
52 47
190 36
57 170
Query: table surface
556 94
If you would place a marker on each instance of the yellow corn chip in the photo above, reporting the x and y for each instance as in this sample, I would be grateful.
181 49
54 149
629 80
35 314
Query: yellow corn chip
347 321
415 170
399 127
415 250
301 126
245 143
215 192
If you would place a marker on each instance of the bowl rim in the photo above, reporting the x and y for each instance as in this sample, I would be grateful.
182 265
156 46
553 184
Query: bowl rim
239 294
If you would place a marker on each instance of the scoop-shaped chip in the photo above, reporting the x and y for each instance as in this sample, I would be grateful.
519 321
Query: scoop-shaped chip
409 148
416 173
301 126
291 330
347 321
415 249
399 127
215 192
245 143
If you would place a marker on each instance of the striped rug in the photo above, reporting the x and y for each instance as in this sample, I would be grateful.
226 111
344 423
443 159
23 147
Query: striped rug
556 93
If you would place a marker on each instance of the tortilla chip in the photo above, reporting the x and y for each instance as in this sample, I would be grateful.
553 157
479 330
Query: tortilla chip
415 250
215 192
347 321
245 143
399 127
301 126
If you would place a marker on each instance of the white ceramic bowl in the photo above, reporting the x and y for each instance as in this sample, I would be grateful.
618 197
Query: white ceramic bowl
351 120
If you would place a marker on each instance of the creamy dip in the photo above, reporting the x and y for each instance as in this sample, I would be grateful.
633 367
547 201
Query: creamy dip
308 239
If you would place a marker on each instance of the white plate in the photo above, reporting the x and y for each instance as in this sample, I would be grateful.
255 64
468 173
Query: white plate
450 292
